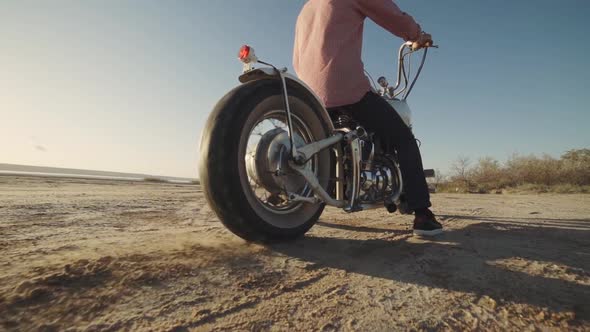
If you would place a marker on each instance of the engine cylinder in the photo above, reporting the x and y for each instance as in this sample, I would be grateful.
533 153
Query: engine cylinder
344 121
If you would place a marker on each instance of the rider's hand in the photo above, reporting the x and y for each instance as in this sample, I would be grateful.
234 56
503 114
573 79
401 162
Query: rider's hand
425 40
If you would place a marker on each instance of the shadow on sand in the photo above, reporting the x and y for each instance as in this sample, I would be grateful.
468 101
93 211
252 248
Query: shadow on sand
508 260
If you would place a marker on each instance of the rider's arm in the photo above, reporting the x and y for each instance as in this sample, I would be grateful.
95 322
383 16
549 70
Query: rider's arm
388 15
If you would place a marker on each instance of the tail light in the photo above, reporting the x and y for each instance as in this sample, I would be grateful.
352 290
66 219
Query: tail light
246 54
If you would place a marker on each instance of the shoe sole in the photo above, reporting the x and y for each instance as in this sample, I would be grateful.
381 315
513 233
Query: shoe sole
433 232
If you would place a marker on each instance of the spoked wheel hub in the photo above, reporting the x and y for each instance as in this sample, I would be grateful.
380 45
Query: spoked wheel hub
267 163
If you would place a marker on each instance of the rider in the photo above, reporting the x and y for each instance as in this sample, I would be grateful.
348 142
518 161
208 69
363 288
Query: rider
327 56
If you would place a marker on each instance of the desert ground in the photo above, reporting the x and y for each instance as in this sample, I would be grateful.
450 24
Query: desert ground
99 255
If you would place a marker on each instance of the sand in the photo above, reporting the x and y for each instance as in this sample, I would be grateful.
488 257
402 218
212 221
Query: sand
102 255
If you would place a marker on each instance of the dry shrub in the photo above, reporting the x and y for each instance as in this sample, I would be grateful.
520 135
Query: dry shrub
569 174
154 180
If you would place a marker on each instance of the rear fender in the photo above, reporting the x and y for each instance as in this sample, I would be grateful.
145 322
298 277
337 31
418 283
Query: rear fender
292 82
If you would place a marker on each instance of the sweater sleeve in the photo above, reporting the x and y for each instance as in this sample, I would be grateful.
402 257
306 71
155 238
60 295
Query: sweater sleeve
388 15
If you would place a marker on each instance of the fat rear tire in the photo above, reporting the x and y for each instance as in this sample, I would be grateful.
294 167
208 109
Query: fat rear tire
221 168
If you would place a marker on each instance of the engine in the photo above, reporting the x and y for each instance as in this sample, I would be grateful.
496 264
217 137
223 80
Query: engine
379 174
376 184
380 179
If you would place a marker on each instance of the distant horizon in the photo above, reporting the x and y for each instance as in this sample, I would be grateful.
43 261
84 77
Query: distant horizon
16 169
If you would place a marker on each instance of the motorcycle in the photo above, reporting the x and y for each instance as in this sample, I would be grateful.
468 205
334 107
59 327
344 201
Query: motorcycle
272 157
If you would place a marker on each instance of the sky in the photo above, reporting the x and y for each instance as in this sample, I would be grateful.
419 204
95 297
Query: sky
126 85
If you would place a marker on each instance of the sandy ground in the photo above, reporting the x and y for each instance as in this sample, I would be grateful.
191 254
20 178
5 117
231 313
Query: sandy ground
104 255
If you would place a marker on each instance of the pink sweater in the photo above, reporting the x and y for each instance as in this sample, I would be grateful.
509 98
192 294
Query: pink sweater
328 43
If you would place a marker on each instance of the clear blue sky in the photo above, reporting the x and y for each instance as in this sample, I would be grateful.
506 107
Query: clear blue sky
127 85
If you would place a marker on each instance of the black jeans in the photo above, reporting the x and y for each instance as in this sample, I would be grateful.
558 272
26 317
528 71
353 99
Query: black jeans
376 115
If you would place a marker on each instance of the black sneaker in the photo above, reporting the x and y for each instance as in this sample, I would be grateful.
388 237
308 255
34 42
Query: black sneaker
433 217
426 225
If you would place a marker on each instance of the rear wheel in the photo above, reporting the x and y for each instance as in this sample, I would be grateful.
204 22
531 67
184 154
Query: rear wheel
244 167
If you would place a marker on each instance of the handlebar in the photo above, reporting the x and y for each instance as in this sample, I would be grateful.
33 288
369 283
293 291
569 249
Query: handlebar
408 47
415 46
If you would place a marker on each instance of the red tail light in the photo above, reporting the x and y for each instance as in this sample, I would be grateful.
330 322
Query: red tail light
244 54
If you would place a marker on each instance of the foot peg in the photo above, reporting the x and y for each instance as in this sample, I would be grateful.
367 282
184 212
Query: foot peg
391 208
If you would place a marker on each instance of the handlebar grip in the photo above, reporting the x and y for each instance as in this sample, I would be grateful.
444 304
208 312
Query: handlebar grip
416 46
